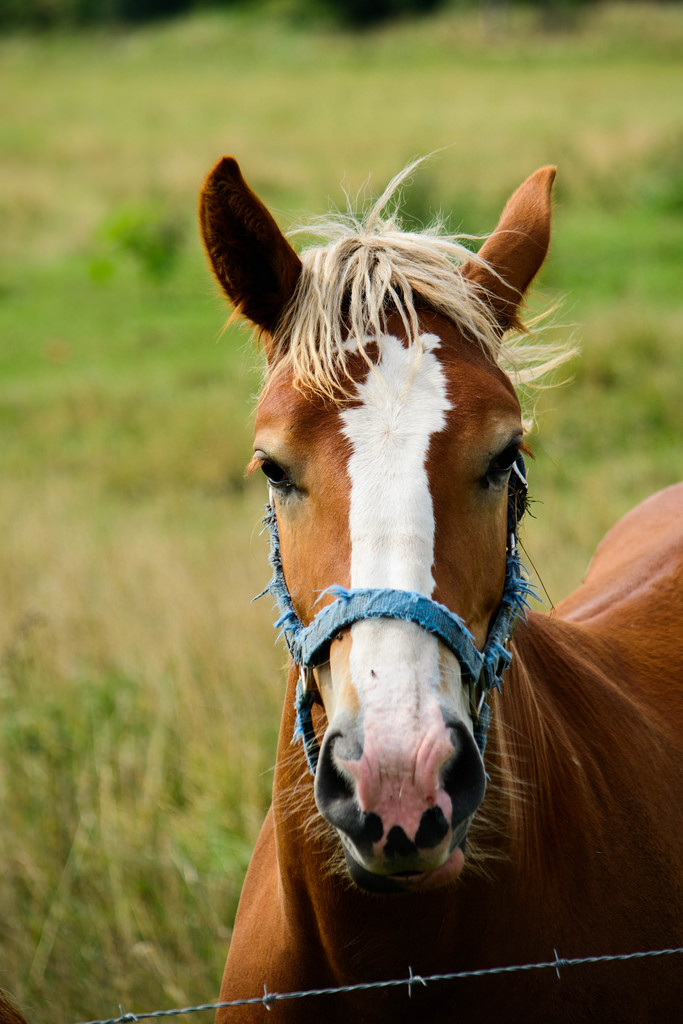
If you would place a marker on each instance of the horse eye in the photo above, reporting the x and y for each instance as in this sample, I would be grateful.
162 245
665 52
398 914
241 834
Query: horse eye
275 474
506 460
499 468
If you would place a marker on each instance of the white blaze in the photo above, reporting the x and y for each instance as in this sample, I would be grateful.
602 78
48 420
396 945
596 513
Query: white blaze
396 668
395 665
391 519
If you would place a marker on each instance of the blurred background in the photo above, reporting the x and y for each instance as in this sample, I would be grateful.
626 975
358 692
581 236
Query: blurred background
140 691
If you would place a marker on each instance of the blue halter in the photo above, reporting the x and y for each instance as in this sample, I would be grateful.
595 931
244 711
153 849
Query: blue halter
483 670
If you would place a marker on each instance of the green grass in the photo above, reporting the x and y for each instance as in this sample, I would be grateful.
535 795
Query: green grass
140 690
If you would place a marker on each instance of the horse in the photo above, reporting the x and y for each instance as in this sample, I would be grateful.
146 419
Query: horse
461 783
9 1014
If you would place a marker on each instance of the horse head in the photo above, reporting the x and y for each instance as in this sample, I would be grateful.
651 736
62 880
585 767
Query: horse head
391 440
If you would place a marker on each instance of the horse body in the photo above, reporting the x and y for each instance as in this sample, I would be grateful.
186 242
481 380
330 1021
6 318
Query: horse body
588 869
385 864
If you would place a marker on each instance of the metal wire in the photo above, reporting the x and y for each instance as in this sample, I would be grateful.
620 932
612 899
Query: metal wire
268 998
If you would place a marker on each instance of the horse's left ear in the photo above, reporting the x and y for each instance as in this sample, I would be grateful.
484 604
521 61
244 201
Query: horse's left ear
516 249
252 260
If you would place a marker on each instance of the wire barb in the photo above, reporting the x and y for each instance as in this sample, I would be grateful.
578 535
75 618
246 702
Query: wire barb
559 962
413 978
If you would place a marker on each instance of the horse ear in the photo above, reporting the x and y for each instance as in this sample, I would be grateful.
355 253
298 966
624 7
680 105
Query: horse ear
253 262
516 249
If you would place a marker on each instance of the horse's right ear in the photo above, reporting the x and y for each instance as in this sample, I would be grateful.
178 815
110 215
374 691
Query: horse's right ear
253 262
513 254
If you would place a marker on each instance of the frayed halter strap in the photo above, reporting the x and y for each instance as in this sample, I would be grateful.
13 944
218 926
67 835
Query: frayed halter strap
482 670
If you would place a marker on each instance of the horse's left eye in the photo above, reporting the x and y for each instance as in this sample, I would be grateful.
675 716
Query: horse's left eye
499 468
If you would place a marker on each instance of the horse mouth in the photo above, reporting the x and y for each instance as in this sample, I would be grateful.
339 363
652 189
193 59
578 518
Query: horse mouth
406 881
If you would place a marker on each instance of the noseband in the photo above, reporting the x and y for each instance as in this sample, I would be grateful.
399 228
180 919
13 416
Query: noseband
482 670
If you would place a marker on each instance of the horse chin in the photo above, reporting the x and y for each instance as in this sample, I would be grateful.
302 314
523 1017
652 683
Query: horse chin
414 881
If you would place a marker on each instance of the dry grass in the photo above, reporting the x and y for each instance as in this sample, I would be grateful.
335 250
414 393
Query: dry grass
139 737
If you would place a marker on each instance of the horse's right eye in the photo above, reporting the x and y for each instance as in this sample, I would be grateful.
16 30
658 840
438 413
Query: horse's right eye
275 474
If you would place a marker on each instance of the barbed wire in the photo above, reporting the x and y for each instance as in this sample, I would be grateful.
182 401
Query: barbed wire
269 998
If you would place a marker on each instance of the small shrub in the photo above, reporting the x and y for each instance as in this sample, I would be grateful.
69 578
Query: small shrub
152 238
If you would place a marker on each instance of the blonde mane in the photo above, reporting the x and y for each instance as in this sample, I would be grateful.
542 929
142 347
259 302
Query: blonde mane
368 267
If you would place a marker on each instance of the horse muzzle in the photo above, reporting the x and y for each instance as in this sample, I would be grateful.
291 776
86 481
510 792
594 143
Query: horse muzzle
402 810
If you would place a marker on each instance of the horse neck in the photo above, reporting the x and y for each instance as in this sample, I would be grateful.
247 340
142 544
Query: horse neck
555 753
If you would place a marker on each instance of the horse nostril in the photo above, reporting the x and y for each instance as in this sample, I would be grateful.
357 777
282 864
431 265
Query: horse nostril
335 796
330 783
432 829
463 776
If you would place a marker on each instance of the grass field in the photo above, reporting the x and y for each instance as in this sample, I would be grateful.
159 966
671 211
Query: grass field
140 690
